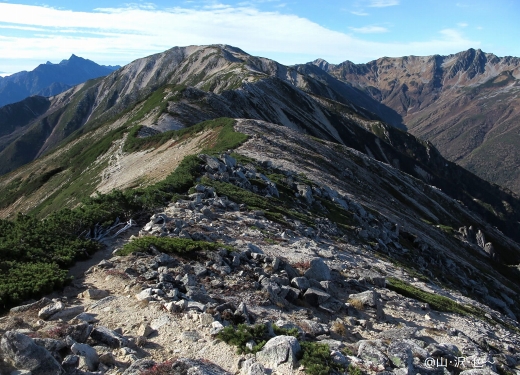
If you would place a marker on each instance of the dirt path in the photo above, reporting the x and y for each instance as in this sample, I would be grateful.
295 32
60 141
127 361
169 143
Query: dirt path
145 167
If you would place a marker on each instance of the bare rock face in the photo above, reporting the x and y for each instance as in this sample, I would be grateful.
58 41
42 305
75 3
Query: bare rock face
24 354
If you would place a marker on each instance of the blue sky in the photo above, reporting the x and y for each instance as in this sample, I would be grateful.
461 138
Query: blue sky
115 32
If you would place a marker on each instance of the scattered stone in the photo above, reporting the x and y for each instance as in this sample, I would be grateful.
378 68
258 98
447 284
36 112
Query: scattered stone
107 359
400 353
216 327
314 328
339 358
86 317
52 345
108 337
70 363
49 310
331 305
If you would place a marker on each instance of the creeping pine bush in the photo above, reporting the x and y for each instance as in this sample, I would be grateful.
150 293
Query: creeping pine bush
169 245
240 335
436 302
316 358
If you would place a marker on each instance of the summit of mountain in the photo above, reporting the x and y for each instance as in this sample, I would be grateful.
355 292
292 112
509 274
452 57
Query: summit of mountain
50 79
466 104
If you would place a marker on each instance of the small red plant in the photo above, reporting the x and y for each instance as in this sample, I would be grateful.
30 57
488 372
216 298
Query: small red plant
57 332
163 368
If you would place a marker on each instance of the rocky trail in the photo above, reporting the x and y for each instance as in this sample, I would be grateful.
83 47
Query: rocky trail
151 312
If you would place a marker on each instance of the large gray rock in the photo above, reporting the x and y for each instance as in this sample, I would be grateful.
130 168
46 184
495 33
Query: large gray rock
373 278
290 294
318 270
369 353
400 353
88 353
331 305
367 298
70 363
278 350
80 332
108 337
68 313
228 160
315 297
24 354
314 328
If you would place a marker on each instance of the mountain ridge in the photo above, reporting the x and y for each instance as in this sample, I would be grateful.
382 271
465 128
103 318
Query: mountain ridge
465 103
207 82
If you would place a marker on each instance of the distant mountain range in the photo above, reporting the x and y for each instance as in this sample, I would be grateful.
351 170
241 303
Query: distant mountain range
466 104
50 79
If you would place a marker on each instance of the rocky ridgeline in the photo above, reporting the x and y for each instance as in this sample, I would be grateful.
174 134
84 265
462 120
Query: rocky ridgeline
154 313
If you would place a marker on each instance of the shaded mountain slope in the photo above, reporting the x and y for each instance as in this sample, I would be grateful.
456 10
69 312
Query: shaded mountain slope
466 104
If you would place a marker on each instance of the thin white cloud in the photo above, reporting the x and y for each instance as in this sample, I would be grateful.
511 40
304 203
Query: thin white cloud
120 35
370 29
18 27
359 13
383 3
462 24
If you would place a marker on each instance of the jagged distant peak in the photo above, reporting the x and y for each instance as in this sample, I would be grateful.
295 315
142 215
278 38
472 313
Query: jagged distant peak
322 64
